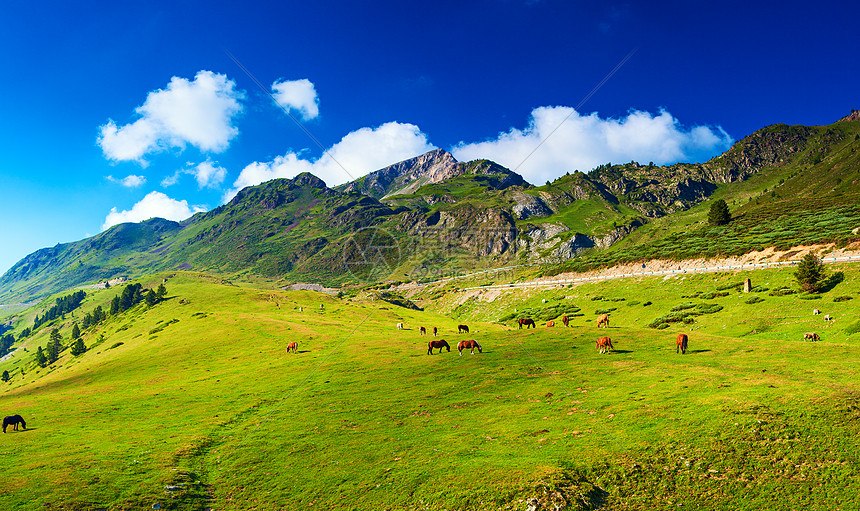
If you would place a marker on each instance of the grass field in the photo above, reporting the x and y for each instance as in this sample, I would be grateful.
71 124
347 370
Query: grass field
200 406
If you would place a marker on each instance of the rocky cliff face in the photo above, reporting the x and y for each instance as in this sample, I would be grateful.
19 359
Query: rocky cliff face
437 166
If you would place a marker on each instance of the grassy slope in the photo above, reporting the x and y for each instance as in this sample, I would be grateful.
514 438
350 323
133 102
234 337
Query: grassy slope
362 418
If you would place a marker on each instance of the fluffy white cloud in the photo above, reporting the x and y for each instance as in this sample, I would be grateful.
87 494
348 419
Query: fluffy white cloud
198 112
298 95
559 139
207 174
130 181
358 153
155 204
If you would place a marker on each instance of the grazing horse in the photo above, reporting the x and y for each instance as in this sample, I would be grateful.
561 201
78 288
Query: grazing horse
604 344
423 331
400 326
812 336
550 324
603 321
463 345
437 344
14 420
565 320
681 344
435 331
293 346
816 312
462 329
827 317
527 322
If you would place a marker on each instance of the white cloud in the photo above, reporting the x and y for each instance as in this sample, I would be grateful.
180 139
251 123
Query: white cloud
130 181
570 141
359 152
154 204
198 112
298 95
208 175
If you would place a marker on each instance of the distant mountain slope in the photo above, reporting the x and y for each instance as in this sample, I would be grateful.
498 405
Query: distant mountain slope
784 184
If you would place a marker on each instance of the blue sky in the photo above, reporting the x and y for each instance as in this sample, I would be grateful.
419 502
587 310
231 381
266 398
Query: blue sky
112 112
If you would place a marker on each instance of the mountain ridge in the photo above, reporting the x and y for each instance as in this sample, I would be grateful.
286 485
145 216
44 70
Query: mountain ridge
478 214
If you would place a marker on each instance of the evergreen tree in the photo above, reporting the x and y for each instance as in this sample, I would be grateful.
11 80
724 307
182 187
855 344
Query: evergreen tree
54 346
114 306
810 273
5 375
98 315
162 292
76 332
719 213
151 298
88 320
78 348
41 359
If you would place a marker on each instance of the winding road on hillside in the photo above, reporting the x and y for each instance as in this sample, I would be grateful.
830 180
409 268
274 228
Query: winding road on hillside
767 259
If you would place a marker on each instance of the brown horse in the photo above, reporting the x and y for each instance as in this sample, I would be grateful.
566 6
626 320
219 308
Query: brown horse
811 336
435 331
437 344
423 331
603 321
565 320
604 344
527 322
293 346
550 324
14 420
462 329
681 344
464 345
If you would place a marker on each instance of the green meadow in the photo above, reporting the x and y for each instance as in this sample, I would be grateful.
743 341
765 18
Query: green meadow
195 404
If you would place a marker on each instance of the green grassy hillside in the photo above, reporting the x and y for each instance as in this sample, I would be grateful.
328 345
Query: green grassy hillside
195 404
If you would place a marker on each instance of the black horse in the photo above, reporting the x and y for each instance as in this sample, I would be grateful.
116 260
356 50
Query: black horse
14 420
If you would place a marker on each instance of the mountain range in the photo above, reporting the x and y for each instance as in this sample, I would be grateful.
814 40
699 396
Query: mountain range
448 216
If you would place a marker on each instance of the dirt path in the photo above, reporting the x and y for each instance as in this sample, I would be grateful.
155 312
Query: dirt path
768 258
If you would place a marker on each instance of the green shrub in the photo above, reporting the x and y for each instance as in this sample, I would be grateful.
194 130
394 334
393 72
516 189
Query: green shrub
783 291
646 304
597 298
631 303
843 298
736 285
662 326
683 306
809 296
708 308
714 294
754 299
605 311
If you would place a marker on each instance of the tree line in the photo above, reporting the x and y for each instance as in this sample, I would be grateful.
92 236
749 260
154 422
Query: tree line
64 304
131 295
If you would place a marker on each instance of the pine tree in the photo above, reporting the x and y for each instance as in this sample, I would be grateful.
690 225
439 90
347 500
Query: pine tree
151 298
76 332
41 359
162 292
719 213
114 306
54 346
79 348
5 375
810 273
